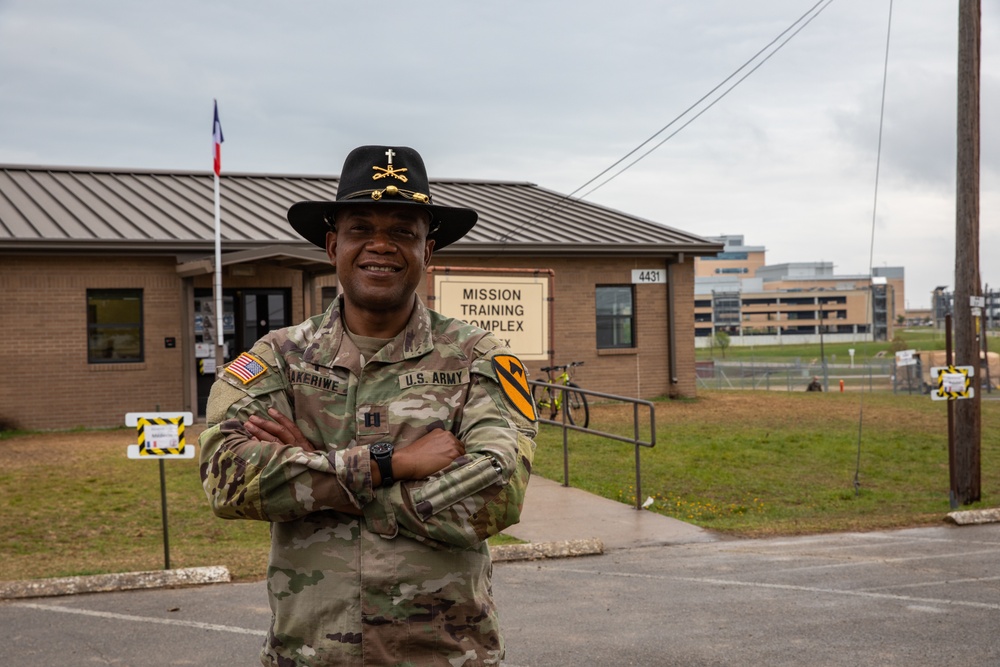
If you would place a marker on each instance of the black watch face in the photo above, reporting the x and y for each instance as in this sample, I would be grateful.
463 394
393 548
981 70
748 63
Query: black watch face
381 448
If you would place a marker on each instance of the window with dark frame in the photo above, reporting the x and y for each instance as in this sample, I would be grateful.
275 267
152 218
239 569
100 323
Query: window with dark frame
615 317
114 326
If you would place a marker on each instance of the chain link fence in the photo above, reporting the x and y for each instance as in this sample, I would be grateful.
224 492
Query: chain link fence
797 375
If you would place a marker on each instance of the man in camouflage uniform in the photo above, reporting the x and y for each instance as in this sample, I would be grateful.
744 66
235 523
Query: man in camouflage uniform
383 441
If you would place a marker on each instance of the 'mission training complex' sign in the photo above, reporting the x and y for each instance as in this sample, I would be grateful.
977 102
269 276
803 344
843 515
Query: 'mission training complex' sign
514 308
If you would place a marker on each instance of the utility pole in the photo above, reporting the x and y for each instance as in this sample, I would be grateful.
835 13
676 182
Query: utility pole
968 424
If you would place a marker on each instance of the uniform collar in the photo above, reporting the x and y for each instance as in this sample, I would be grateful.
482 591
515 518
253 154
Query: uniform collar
331 347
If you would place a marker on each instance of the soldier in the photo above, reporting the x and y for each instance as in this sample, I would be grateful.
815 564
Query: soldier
382 441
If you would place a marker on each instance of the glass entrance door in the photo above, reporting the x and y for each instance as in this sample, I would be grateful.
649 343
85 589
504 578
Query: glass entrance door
263 310
248 315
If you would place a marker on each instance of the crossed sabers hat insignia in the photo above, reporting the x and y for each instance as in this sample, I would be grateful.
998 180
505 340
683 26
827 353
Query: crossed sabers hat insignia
384 172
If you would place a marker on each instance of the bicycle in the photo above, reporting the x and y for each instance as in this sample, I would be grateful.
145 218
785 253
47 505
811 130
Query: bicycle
552 398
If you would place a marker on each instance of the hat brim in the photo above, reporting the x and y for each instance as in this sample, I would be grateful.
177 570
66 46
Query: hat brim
308 218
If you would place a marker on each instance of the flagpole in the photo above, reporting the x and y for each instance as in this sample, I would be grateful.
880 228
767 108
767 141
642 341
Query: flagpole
217 285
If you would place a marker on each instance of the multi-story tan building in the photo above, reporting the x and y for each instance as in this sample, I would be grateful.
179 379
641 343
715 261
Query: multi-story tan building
107 277
756 303
735 261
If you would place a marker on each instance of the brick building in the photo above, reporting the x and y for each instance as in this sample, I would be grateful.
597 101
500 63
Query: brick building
106 274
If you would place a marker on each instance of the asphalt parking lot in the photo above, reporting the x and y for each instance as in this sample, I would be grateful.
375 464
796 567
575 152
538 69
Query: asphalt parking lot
927 596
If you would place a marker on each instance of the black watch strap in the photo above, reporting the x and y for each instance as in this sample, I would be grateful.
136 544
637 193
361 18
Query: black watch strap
381 453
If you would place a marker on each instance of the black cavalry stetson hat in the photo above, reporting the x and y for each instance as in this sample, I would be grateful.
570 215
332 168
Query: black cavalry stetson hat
382 175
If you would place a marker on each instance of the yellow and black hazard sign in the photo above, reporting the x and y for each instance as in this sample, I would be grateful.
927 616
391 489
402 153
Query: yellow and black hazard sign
514 383
953 383
160 435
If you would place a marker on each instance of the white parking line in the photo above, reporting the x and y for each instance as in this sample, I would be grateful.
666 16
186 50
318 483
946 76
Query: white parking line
146 619
790 587
925 609
849 593
141 619
925 584
859 560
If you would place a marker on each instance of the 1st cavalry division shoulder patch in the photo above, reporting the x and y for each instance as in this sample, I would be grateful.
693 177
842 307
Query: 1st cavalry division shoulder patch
514 383
247 367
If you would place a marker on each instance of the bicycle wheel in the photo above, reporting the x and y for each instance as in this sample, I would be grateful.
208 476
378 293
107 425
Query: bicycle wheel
575 404
544 400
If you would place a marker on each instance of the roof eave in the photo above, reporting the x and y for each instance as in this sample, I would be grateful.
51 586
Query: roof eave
459 249
576 250
172 247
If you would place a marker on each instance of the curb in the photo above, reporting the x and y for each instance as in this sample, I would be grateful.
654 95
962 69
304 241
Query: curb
536 551
219 574
972 517
102 583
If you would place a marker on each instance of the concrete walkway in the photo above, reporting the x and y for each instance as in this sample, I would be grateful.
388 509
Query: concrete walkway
555 513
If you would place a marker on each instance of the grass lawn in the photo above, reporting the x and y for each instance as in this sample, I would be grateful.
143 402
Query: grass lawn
776 463
744 463
71 503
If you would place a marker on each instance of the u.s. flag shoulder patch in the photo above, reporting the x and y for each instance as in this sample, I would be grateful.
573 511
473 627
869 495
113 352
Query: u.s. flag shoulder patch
514 384
246 367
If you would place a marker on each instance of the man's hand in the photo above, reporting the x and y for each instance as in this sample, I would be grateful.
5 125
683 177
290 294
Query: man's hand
282 430
426 455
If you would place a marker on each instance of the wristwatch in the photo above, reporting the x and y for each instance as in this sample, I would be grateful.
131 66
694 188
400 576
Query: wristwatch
381 453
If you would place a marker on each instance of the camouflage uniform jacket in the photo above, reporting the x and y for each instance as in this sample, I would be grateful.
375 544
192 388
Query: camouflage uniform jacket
407 583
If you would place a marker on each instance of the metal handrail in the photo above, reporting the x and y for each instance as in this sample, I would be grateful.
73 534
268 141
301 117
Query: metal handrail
635 439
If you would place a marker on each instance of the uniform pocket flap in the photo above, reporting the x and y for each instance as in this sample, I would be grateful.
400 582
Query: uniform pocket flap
442 492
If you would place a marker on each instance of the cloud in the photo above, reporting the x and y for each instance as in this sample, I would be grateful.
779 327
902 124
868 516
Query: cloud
535 91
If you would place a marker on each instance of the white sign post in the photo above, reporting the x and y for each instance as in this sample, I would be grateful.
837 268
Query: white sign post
160 436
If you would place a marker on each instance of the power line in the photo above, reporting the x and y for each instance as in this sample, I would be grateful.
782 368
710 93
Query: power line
807 18
715 101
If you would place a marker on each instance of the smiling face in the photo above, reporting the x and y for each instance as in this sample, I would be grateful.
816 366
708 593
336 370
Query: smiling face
381 253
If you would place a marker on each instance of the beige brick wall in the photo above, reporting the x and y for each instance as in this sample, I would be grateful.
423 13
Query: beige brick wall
49 384
641 372
47 380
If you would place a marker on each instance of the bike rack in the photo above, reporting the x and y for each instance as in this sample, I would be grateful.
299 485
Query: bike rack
635 439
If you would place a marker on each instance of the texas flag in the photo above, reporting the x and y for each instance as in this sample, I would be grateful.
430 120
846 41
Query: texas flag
217 140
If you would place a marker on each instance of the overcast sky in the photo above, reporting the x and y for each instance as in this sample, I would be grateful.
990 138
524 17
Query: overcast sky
542 91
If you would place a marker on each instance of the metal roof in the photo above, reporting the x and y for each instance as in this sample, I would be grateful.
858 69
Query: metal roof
79 209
